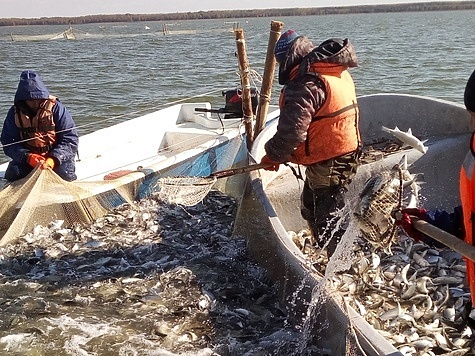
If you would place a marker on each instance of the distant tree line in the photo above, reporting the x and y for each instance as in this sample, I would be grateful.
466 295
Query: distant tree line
230 14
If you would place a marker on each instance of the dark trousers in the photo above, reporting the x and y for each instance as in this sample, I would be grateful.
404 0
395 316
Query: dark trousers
323 197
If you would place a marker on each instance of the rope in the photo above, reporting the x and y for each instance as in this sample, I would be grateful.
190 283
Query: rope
254 77
116 118
399 204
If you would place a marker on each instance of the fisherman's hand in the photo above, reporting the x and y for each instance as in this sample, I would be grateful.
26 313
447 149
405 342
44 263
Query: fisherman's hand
272 165
48 163
34 159
404 220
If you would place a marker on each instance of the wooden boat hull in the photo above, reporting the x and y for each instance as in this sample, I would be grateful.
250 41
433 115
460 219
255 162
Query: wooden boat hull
271 207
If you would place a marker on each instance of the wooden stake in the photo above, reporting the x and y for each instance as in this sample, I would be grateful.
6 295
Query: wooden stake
268 77
248 115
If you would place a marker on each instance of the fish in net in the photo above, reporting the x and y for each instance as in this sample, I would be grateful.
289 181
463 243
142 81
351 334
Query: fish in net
190 190
187 191
43 197
382 195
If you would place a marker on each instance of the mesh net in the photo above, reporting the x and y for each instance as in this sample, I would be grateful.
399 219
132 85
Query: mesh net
43 197
190 191
381 196
186 191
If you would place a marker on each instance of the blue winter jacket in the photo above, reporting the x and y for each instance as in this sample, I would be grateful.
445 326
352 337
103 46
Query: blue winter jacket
449 222
64 149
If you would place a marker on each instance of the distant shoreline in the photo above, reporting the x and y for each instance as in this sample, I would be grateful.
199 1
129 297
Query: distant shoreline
234 14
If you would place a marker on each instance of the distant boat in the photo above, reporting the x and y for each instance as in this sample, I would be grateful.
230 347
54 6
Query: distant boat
147 28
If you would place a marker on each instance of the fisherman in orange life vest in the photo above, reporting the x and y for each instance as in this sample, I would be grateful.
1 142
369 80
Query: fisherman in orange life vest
460 222
318 127
38 129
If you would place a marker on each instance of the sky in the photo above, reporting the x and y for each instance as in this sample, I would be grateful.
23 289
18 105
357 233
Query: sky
72 8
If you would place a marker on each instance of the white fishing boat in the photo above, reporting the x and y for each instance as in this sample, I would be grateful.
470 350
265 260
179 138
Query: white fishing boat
271 211
123 162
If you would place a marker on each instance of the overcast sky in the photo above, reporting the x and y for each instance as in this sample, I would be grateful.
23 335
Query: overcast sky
70 8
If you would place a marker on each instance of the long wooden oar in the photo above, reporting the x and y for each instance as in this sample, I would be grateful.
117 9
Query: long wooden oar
218 174
445 238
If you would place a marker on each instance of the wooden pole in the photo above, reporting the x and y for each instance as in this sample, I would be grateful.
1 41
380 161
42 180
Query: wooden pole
444 237
248 115
268 77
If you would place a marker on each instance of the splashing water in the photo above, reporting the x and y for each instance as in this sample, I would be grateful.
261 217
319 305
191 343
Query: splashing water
340 261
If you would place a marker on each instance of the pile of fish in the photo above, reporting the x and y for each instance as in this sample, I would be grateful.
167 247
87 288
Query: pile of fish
413 293
146 279
416 297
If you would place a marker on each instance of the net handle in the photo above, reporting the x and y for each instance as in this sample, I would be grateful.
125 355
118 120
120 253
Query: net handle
449 240
239 170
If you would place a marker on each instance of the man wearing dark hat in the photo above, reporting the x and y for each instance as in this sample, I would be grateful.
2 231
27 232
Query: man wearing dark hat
318 127
459 223
469 96
38 131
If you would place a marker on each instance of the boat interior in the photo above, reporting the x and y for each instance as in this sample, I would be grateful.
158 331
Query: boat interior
272 207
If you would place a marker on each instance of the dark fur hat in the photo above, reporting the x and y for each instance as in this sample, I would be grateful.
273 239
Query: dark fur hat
469 95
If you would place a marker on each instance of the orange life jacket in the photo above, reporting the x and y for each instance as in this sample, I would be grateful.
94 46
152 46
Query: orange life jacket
467 196
37 133
334 128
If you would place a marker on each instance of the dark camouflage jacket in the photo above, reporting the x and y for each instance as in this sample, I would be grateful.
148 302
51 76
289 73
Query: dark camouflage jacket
303 96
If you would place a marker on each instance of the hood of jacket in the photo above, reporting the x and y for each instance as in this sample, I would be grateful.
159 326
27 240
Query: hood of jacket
31 86
302 53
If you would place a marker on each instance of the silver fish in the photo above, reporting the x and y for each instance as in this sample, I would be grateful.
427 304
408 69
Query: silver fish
408 138
380 196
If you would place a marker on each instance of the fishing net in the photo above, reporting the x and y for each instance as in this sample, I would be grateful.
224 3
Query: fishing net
67 34
190 191
383 195
187 191
43 197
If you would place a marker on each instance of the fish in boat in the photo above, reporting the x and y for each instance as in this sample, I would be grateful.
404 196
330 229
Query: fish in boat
120 164
269 217
407 138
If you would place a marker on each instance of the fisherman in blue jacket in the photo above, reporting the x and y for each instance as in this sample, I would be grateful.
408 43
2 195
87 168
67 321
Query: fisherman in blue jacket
461 222
451 222
38 131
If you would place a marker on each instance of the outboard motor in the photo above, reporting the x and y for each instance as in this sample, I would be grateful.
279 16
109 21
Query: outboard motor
233 104
233 99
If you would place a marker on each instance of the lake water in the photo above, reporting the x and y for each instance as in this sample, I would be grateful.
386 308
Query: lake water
115 71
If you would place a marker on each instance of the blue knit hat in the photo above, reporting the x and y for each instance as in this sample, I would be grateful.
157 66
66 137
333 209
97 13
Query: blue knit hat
469 94
283 44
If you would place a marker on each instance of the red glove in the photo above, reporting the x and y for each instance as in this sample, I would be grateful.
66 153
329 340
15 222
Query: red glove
34 159
273 165
404 220
48 163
